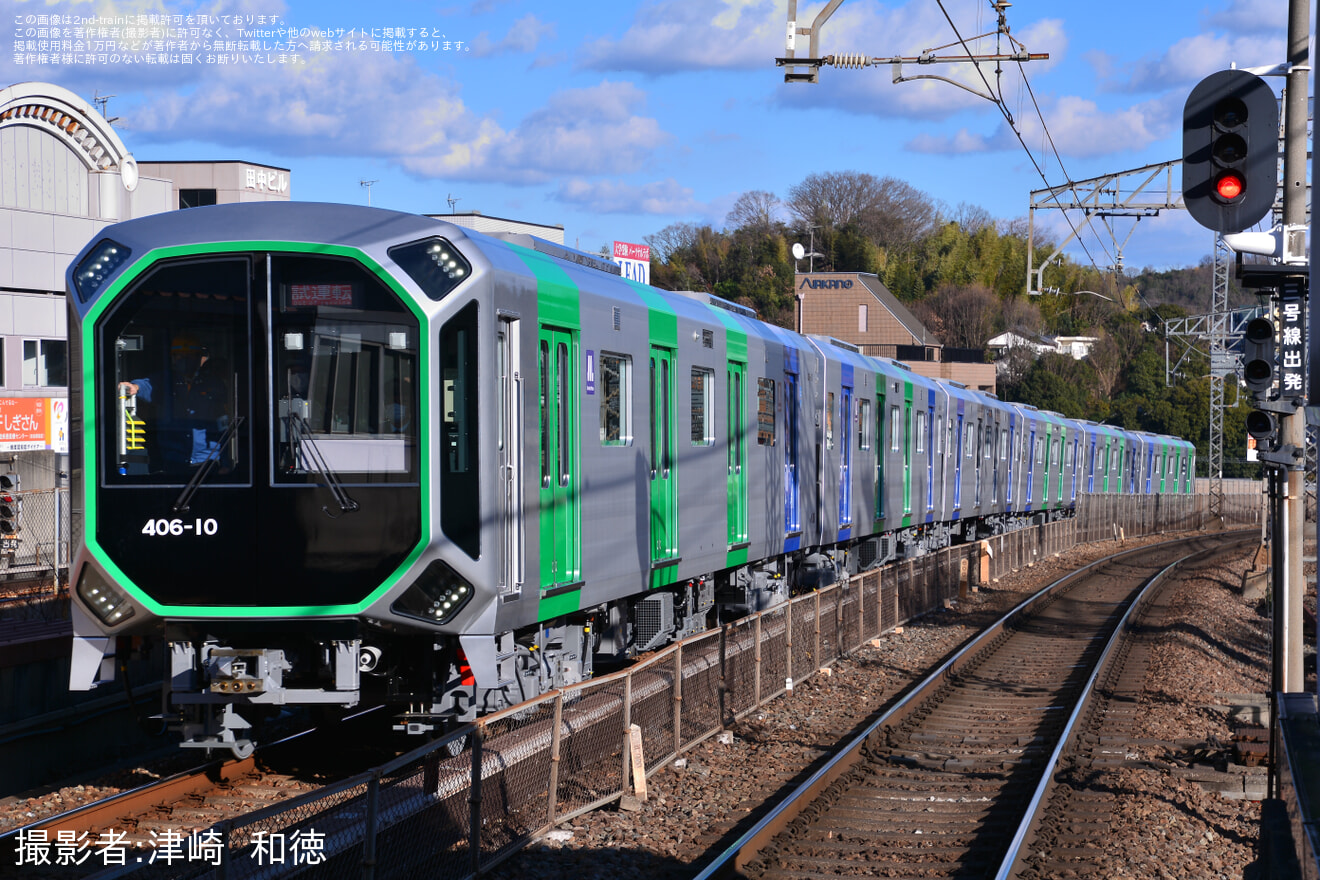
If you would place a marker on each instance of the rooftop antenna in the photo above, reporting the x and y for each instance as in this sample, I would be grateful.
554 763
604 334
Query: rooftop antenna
368 184
102 101
453 200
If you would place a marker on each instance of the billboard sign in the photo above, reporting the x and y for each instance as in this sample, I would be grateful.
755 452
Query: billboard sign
634 260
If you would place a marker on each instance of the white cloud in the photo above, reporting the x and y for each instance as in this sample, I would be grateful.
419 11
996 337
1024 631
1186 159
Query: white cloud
616 197
523 37
1251 16
597 130
383 106
1077 126
667 36
1188 60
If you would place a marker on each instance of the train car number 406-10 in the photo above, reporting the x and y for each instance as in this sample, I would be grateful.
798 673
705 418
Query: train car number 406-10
160 528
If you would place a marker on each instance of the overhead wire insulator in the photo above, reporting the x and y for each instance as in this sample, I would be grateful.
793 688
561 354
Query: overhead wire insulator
851 60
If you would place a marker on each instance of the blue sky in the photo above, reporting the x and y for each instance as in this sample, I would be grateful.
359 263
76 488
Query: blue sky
618 118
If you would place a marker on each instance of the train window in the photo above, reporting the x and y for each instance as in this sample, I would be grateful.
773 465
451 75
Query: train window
969 443
921 432
765 412
459 450
615 399
562 374
895 430
547 441
829 420
990 442
176 346
703 407
1040 450
344 382
948 446
863 423
1003 444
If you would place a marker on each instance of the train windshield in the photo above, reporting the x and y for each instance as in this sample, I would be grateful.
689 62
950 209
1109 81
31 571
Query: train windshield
344 378
176 350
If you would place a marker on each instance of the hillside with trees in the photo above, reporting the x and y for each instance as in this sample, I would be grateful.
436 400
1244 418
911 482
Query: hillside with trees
963 273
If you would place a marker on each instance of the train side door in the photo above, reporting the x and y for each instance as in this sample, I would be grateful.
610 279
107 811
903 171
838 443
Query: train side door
737 483
664 443
845 457
510 455
792 475
561 537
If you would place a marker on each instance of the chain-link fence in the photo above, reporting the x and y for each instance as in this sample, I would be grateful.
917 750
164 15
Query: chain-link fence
461 804
36 556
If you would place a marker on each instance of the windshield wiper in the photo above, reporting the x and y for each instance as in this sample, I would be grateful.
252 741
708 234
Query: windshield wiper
185 497
303 432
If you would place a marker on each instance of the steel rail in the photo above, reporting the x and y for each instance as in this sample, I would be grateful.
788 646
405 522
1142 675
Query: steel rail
735 857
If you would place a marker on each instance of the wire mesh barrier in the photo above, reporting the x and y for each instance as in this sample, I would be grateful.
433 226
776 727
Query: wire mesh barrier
37 554
461 804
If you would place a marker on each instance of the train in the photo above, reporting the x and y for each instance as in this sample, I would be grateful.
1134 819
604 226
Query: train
331 456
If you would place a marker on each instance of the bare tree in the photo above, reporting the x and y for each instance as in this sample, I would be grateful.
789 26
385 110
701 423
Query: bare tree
1106 358
888 211
756 210
966 315
674 237
1021 314
972 218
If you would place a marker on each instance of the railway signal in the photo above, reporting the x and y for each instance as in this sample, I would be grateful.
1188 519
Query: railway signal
1230 150
11 504
1258 357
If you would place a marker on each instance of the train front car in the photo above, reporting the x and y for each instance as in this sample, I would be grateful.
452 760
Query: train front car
252 468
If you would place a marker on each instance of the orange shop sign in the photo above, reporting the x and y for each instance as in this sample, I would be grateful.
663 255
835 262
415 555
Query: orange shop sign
28 423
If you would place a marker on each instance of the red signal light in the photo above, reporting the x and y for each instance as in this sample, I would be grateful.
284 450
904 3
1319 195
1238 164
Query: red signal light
1229 186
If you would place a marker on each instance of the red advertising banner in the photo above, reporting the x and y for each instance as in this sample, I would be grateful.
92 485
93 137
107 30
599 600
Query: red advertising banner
627 251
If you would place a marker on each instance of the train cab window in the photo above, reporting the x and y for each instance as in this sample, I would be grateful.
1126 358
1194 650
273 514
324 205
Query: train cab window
176 349
863 423
765 412
615 399
703 407
344 383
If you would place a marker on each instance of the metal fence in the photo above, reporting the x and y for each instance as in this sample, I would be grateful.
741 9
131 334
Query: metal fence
461 804
40 556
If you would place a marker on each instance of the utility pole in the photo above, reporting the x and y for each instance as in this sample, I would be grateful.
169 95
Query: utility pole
1293 427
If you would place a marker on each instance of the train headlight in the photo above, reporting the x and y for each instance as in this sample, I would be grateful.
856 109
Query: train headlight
104 599
436 597
434 264
97 266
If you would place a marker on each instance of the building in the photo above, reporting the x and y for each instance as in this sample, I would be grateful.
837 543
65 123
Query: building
479 222
65 174
857 307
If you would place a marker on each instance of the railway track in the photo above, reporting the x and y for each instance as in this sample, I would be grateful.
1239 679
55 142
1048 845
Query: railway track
948 782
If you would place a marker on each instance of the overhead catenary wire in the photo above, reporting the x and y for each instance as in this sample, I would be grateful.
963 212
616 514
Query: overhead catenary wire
1012 124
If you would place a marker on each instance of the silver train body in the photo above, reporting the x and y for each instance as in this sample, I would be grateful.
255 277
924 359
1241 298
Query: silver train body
454 471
